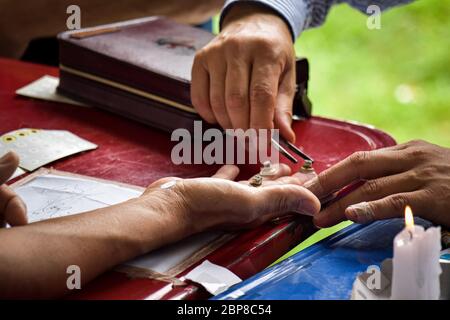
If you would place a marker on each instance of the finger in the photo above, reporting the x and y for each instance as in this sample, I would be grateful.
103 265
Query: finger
283 108
389 207
263 93
360 165
12 208
277 200
397 147
8 164
217 76
236 93
200 90
302 177
371 190
282 180
228 172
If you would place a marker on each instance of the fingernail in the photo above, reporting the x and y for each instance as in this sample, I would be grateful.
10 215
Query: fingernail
294 137
360 213
308 207
288 119
316 222
24 206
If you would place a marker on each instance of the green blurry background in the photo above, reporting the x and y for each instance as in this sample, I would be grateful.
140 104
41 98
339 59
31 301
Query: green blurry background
396 78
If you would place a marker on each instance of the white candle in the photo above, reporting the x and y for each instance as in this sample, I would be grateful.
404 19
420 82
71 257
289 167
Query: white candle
416 267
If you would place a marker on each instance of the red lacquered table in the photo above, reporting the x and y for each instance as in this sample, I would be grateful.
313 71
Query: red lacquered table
132 153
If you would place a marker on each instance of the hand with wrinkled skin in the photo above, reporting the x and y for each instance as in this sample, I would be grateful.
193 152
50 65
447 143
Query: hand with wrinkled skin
12 209
245 77
98 240
416 173
220 203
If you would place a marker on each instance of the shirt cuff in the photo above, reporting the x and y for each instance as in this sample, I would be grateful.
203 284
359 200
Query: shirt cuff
293 12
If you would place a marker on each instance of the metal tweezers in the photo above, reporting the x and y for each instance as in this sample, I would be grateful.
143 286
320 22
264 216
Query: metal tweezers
294 148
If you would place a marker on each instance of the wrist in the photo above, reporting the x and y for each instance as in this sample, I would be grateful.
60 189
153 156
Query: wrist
159 221
255 13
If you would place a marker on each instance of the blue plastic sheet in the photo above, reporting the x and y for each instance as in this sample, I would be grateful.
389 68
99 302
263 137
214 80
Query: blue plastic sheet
325 270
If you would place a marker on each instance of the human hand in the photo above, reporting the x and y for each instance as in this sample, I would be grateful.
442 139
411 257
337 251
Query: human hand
245 77
218 202
416 173
12 209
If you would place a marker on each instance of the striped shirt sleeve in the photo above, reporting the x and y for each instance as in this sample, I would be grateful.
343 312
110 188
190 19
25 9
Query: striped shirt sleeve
303 14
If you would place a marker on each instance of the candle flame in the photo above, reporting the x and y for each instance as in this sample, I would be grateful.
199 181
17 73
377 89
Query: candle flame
409 218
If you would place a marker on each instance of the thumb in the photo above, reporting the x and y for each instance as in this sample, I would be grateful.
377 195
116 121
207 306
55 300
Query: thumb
12 209
283 109
8 164
277 200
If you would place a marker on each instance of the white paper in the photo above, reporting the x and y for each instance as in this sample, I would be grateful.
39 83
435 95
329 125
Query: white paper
166 258
44 88
51 196
37 147
214 278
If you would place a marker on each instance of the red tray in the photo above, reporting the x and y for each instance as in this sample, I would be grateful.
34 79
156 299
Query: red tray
132 153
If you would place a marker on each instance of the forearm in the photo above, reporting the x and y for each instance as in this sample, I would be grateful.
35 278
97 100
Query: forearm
34 258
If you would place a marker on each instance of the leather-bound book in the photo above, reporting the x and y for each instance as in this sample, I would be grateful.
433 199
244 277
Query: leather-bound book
141 69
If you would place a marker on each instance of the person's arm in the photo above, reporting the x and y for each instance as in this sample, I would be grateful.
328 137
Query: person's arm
416 173
245 77
247 70
34 258
19 22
